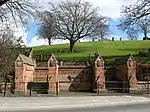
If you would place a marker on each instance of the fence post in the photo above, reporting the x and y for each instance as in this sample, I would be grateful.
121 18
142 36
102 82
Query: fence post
30 91
41 57
30 88
98 89
5 83
123 87
148 86
147 79
56 89
5 89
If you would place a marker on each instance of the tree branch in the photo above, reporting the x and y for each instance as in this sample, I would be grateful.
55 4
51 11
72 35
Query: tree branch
2 2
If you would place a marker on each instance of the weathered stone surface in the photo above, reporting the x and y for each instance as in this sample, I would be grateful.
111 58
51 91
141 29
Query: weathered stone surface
99 78
75 78
126 72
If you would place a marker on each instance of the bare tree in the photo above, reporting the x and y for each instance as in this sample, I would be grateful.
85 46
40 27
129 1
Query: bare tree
136 16
75 20
16 11
8 53
132 34
46 27
7 44
133 13
104 31
144 26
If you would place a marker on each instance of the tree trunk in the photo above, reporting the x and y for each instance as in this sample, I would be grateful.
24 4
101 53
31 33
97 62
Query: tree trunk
72 46
145 34
5 88
49 41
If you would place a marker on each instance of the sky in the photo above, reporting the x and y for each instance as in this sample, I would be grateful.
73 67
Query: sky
109 8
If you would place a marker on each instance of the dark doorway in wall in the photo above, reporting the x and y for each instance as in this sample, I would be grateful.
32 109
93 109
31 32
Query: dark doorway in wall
38 87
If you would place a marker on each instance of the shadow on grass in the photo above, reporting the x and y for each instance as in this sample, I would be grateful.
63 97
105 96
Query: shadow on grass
109 60
61 50
142 59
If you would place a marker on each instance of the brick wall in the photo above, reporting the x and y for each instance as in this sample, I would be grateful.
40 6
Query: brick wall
142 86
131 65
75 78
121 72
41 74
98 70
23 75
52 75
142 70
126 72
71 78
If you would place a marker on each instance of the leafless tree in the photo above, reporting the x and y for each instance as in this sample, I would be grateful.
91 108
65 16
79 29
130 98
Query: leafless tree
136 16
144 26
9 50
8 45
104 31
132 33
75 20
46 26
131 14
16 11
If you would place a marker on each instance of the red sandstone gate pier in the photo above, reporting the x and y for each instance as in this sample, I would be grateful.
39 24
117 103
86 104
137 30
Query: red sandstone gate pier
77 77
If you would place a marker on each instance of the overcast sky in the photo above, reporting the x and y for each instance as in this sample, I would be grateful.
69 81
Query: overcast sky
109 8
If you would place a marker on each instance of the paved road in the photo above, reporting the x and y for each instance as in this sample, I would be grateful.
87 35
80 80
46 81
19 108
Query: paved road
75 104
144 107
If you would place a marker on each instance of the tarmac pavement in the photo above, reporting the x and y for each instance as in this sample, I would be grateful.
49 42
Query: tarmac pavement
47 103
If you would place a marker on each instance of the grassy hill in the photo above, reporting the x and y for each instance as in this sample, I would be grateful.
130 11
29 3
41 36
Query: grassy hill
108 49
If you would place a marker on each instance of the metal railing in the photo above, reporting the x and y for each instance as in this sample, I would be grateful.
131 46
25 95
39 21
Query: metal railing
105 87
143 87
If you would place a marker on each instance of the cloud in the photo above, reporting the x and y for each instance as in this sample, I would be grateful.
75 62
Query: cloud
20 32
109 8
36 42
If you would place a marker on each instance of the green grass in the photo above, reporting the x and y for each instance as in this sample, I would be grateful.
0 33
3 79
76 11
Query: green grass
108 49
